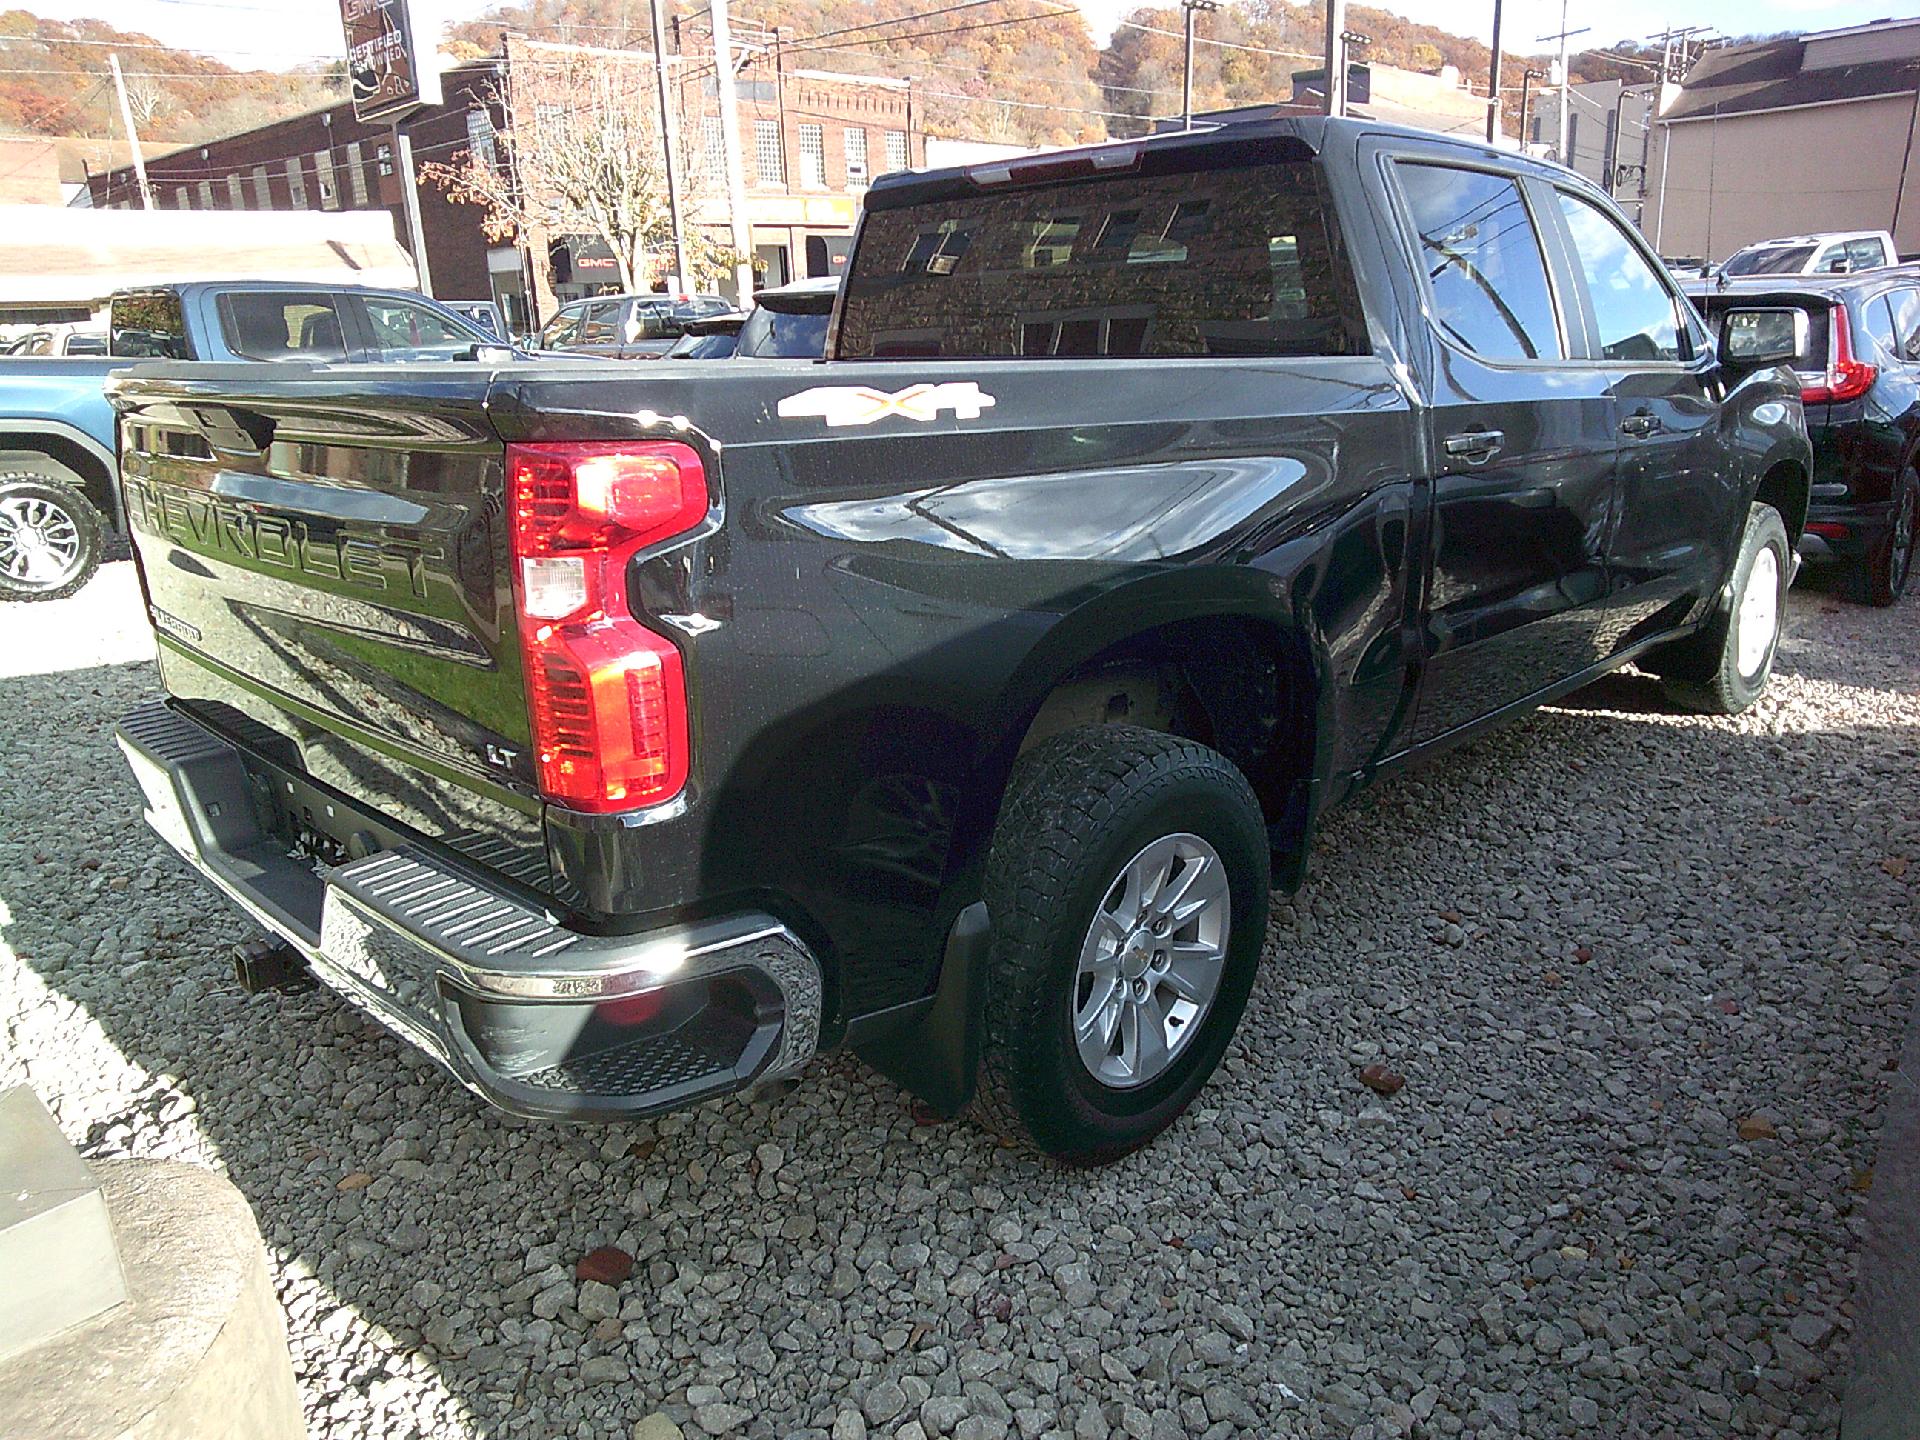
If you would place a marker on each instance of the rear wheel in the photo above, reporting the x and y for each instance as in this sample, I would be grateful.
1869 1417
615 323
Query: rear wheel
1128 888
1725 667
49 538
1888 568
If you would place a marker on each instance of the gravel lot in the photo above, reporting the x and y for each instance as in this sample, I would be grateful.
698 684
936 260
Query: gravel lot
1643 973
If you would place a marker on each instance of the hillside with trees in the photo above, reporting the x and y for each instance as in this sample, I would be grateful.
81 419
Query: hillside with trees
1023 71
56 83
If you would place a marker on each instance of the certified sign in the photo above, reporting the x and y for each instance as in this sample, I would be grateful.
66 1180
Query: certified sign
384 59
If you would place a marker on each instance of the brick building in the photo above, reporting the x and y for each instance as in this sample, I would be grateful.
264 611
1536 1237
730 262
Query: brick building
810 141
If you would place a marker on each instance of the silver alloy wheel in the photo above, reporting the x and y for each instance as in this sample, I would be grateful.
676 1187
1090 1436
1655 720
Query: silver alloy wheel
1151 963
1759 614
39 542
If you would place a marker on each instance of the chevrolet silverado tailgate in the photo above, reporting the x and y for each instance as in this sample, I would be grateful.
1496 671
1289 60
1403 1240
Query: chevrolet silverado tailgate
324 560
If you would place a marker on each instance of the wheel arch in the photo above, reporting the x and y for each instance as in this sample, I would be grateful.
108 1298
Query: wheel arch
84 460
1786 484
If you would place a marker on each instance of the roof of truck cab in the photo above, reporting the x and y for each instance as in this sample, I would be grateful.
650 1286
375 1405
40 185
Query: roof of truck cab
1312 132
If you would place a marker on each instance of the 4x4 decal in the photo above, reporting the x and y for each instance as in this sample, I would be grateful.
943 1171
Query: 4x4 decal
862 404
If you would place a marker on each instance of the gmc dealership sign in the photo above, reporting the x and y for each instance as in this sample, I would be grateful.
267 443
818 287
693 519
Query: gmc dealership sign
384 56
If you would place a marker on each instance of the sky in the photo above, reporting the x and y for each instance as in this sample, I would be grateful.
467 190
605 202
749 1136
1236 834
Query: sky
278 33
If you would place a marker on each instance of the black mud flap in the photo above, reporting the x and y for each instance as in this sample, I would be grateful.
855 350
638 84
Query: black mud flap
937 1057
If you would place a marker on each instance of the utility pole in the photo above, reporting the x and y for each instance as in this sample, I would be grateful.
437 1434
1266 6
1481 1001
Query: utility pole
1336 58
670 137
1566 88
133 140
1493 80
730 154
410 200
1192 7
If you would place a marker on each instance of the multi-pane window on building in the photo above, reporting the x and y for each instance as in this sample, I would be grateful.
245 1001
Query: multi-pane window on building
769 163
297 183
896 150
206 195
182 198
813 158
262 189
856 157
711 160
356 176
480 138
323 176
235 199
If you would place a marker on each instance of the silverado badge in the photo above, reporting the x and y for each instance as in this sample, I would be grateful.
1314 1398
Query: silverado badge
862 404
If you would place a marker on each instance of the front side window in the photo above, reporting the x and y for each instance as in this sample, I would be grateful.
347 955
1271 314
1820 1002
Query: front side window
282 325
1241 260
600 323
1483 263
563 328
1631 303
404 330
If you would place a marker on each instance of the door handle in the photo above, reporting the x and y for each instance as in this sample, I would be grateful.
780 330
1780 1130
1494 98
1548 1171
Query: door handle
1476 447
1641 424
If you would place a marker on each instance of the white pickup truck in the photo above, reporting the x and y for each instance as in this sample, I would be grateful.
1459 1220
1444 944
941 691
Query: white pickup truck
1835 252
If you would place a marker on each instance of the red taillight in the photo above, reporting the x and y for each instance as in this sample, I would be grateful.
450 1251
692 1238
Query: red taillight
607 696
1847 378
1827 529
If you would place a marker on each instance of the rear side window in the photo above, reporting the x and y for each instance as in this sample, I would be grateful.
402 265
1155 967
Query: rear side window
282 325
1241 260
1866 254
1876 319
148 327
1632 305
1483 262
1906 322
783 334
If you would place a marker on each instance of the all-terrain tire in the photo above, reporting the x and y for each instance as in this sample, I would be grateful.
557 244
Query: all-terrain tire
1080 808
1724 667
60 518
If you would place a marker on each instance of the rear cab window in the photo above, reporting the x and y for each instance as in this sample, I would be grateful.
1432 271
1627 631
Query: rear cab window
148 326
1232 260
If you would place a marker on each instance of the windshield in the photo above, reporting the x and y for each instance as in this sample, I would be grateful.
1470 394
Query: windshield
783 335
1769 260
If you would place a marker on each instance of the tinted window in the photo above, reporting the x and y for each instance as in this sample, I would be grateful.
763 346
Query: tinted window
1240 260
1482 260
562 328
600 323
1906 322
1866 254
404 330
86 344
773 333
704 347
148 327
1774 260
282 325
1631 302
1876 320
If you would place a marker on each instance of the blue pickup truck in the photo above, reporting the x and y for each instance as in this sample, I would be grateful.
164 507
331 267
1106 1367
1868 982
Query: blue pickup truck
59 487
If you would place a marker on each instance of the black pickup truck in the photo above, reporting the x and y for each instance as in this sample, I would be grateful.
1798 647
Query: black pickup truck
623 738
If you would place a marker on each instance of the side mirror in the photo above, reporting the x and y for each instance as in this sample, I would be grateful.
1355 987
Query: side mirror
1759 337
491 354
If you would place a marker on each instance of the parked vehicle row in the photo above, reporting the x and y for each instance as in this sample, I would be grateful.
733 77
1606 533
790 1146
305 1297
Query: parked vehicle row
1857 344
625 736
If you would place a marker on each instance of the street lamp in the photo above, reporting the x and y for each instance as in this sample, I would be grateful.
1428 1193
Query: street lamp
1192 7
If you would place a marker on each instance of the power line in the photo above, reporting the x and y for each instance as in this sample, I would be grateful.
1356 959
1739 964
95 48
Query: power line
1224 44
